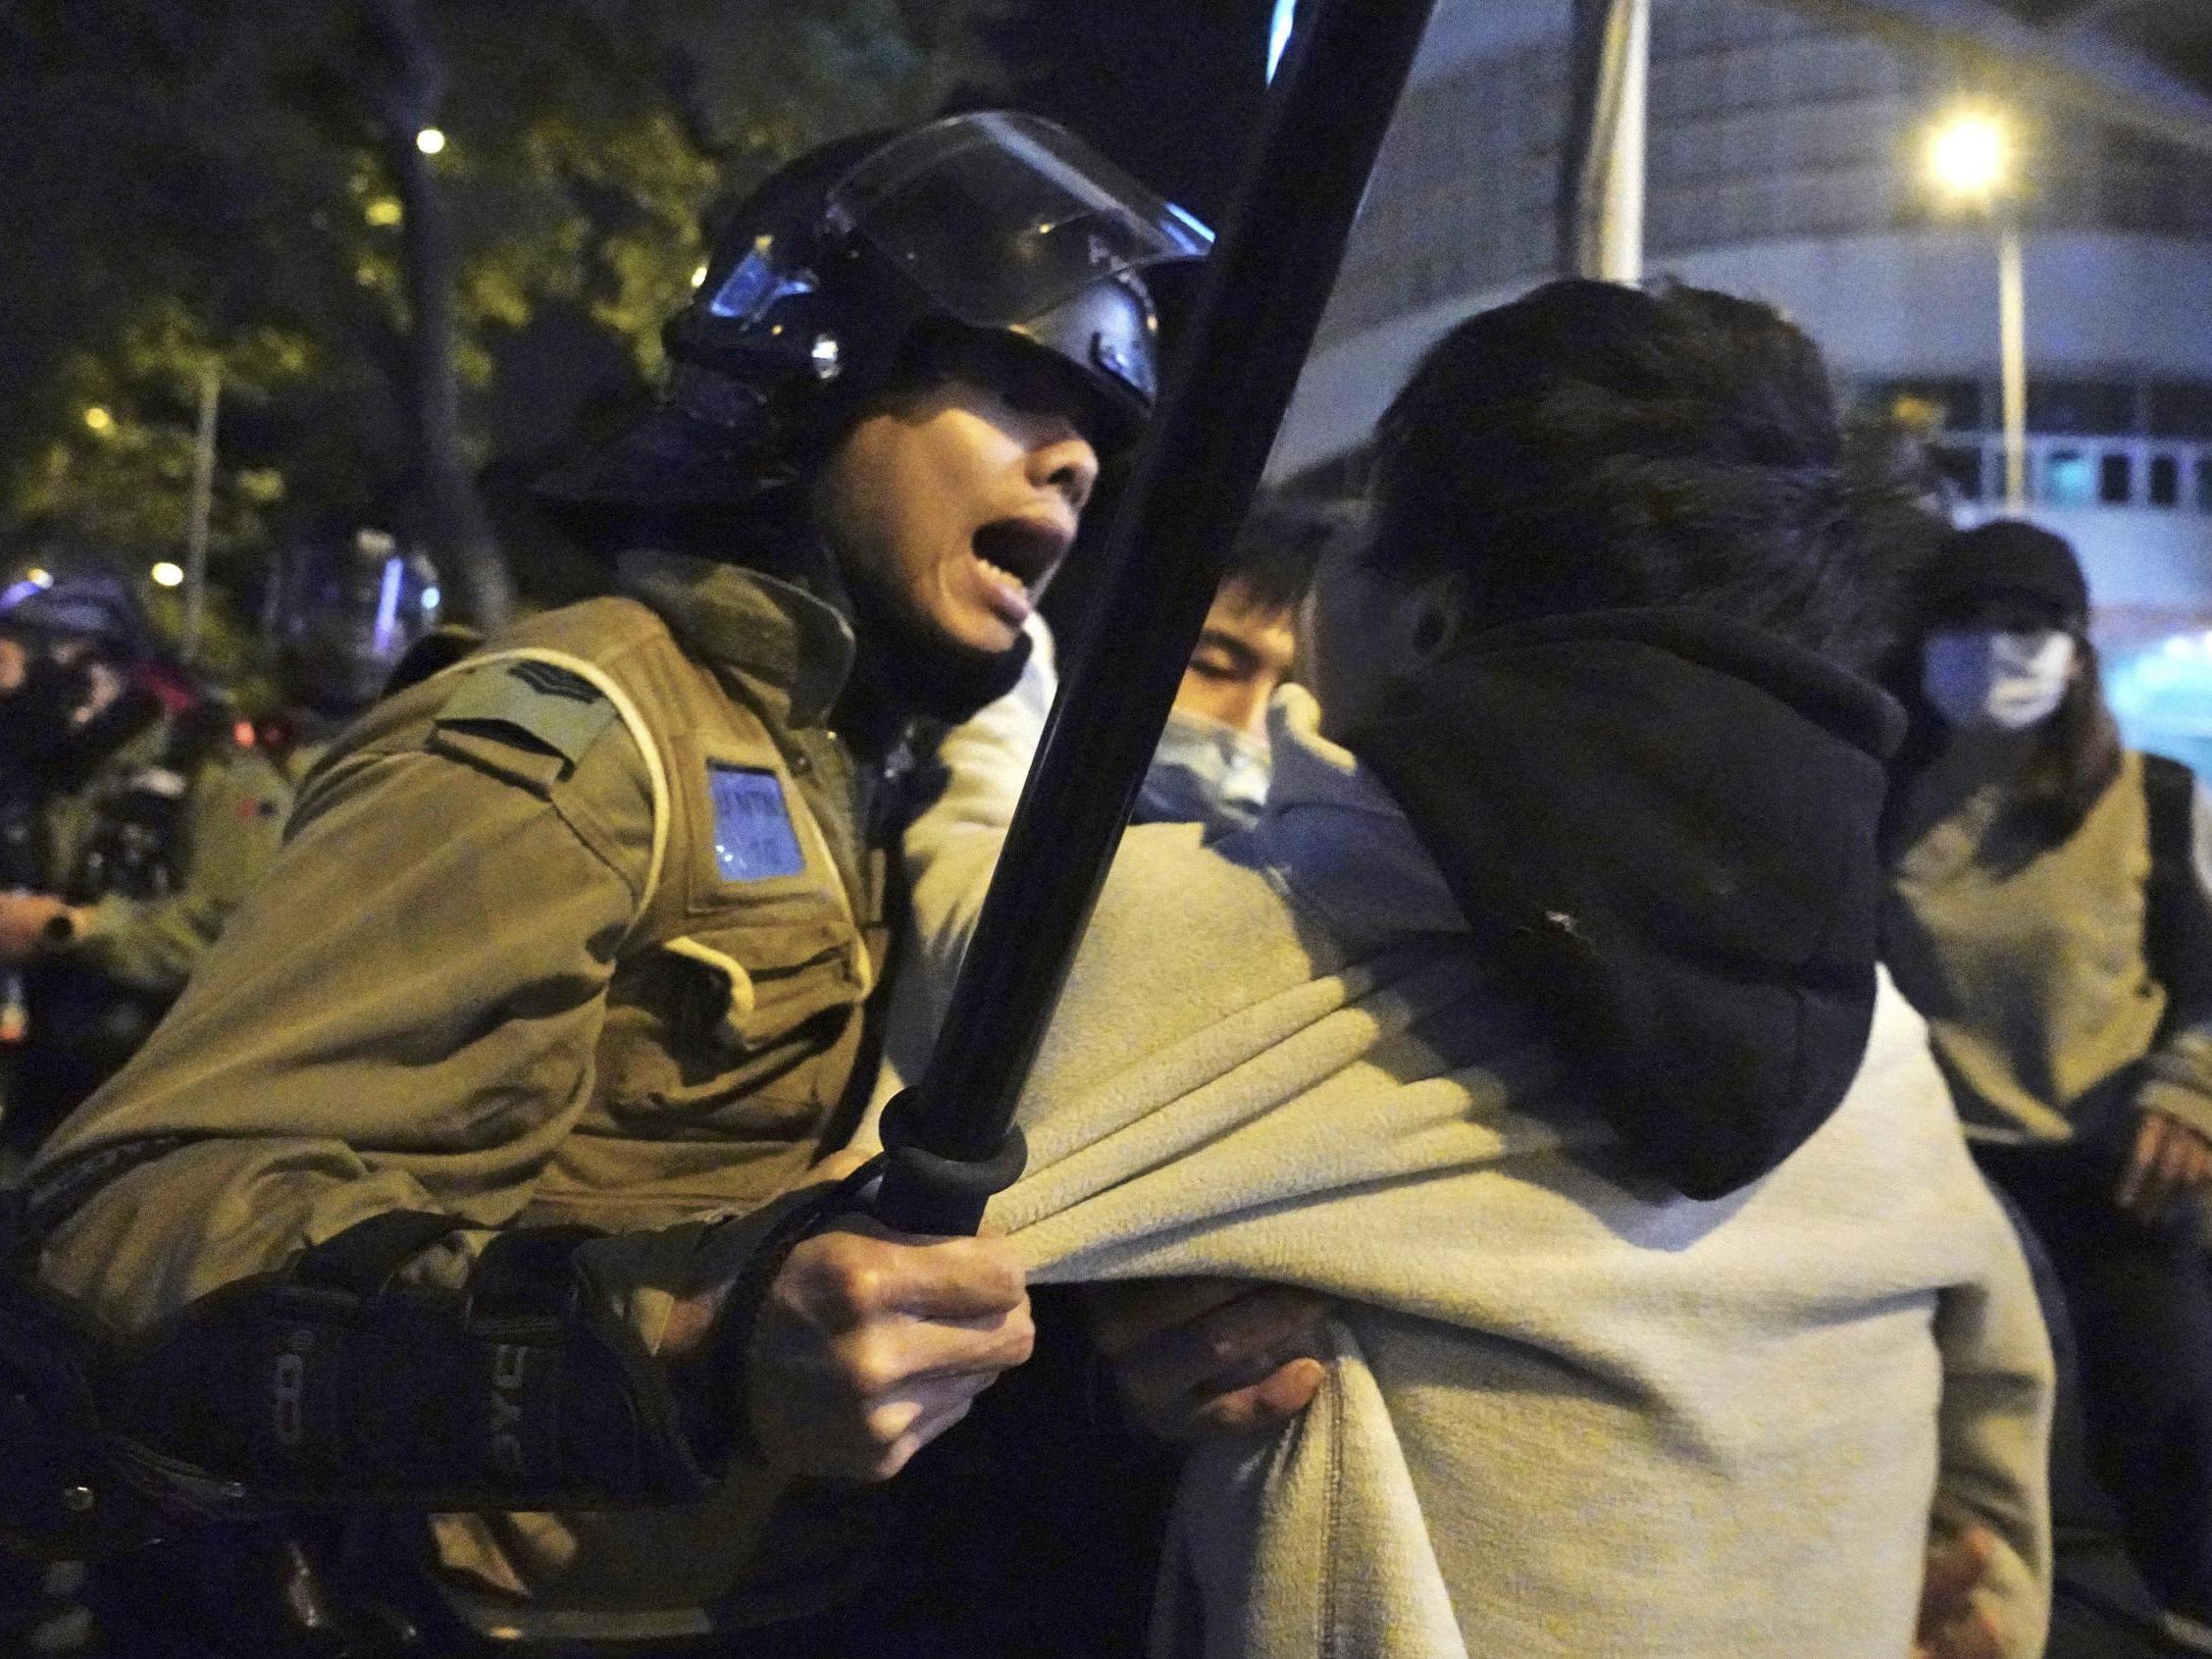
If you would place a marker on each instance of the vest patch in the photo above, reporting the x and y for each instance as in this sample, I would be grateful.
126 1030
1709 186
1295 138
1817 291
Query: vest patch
753 837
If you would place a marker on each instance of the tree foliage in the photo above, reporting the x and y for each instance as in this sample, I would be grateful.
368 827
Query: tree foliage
191 183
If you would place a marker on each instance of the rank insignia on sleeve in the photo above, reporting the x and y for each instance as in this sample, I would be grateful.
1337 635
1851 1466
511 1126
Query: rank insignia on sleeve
753 837
551 678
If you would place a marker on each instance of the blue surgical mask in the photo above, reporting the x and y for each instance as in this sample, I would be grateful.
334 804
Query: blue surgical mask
1994 679
1203 772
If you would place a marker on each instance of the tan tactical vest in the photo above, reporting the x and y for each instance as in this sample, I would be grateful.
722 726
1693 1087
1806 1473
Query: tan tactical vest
734 1016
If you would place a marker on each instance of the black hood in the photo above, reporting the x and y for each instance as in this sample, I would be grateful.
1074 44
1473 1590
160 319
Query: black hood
1665 820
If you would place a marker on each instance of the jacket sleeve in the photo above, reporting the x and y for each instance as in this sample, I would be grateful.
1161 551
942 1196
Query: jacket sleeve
402 1017
1994 1432
234 821
2177 1072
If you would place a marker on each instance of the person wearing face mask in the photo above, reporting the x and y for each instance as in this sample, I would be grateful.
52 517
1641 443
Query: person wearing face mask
1213 765
477 1184
2047 915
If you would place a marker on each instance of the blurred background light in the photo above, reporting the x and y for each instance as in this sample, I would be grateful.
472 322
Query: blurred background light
1969 154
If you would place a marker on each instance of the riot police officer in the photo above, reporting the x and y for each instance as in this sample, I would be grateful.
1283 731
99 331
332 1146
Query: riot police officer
476 1171
122 835
340 614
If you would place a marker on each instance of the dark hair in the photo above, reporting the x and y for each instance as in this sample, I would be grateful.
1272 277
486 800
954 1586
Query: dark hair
1271 562
1591 446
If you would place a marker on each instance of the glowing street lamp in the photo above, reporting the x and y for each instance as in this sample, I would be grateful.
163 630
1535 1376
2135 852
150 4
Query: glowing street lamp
168 574
1970 155
1970 159
429 140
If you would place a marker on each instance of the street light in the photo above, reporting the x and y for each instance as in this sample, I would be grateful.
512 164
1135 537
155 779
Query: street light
429 140
1970 155
168 574
1970 159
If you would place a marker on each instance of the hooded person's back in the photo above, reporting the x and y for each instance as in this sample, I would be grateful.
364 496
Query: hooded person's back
1538 1022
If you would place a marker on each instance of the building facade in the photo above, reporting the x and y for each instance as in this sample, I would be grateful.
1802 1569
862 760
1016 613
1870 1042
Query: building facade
1786 162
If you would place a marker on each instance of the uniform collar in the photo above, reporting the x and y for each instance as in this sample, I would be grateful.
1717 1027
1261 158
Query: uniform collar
793 651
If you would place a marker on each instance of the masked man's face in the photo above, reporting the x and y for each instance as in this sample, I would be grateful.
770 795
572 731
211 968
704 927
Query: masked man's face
955 507
1243 652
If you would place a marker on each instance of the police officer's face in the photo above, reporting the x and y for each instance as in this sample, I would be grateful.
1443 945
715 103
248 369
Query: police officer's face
956 507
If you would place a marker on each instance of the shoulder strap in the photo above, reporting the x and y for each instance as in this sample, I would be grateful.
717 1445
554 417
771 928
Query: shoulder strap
2178 919
626 708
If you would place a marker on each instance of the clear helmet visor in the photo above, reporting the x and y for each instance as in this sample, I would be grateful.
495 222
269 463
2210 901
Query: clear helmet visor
999 216
348 614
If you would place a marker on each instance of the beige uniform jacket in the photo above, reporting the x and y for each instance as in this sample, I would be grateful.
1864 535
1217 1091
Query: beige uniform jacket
462 990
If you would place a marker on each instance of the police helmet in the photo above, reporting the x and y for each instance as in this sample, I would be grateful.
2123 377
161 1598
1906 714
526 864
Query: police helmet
342 611
993 241
91 604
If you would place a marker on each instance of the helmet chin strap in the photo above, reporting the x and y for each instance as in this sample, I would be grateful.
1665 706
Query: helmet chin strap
906 669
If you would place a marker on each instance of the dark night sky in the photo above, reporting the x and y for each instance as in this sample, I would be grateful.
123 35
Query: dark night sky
1169 88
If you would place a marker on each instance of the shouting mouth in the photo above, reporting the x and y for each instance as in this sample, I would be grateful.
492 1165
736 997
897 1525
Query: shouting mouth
1014 557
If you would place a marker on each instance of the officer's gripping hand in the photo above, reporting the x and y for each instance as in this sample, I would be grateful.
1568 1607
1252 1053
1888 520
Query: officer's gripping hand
1197 1357
867 1344
872 1343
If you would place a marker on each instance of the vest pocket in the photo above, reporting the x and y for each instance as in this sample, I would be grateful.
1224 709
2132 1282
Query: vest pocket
740 1028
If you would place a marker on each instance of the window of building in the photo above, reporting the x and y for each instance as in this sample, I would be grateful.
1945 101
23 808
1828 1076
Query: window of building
2069 479
2180 409
2165 482
2116 479
2080 406
1961 464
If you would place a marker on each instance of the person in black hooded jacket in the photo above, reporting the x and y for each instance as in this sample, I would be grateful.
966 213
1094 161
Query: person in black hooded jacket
1537 1022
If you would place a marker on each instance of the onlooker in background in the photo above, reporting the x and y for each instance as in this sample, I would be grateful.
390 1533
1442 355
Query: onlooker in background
1211 767
2048 916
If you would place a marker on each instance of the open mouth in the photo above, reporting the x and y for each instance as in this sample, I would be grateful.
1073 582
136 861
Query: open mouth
1019 551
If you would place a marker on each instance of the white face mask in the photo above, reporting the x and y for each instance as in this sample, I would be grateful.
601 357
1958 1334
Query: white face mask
1992 679
1204 772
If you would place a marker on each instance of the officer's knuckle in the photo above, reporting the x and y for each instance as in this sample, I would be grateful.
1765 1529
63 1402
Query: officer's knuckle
882 1427
872 1366
843 1279
1018 1340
